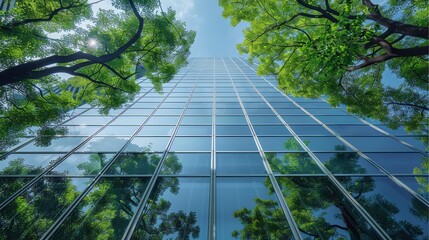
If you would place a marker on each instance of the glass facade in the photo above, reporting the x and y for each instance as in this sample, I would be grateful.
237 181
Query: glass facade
221 153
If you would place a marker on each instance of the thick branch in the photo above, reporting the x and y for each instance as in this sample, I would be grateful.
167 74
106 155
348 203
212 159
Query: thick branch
30 70
395 26
391 52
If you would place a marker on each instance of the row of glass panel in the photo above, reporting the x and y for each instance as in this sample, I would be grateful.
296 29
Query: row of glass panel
226 163
178 207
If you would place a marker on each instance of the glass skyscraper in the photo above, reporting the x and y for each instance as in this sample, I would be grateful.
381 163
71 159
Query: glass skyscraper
220 154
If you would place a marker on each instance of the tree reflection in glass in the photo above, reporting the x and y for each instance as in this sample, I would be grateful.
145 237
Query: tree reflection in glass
33 212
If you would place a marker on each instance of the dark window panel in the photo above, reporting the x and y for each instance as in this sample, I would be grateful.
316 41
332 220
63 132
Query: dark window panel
235 144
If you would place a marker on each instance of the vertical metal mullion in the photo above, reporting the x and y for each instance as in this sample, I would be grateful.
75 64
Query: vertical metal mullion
84 193
212 210
292 224
379 230
140 208
60 160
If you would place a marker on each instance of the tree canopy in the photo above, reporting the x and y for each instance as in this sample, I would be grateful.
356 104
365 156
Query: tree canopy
98 49
341 50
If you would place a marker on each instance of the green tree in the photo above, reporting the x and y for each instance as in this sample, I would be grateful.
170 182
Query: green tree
340 49
41 39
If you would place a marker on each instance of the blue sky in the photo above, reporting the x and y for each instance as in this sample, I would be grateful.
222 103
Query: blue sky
215 35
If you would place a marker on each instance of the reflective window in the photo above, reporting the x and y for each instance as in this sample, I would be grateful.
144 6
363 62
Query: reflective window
163 120
156 131
192 144
195 130
106 211
272 130
9 186
310 130
197 120
199 111
129 120
63 144
138 111
235 144
400 214
82 164
118 131
239 163
89 120
266 119
401 163
229 111
418 183
325 144
419 142
343 119
187 164
231 120
81 130
298 119
259 111
320 211
32 213
242 202
169 111
233 130
353 130
346 162
147 144
104 144
377 144
26 164
292 163
134 163
279 144
176 207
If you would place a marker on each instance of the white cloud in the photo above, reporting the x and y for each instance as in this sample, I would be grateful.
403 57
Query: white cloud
183 8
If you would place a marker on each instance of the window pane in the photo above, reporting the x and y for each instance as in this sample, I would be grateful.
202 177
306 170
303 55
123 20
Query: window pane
292 163
395 210
187 164
163 120
325 144
195 130
63 144
118 131
156 131
401 163
298 119
272 130
268 119
242 202
233 130
191 144
26 164
197 120
174 204
104 144
235 144
239 163
280 144
129 120
31 214
99 215
147 144
229 120
83 164
377 144
320 211
9 186
134 163
310 130
346 162
350 130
